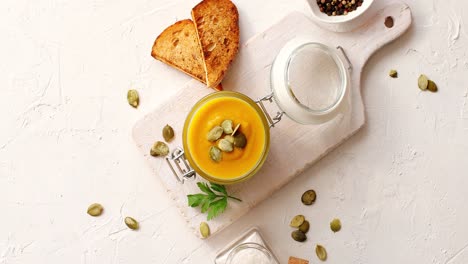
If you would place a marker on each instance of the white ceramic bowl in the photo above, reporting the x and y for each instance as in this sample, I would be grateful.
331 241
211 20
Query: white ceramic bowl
322 17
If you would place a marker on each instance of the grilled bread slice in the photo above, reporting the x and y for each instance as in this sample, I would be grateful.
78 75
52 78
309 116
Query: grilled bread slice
178 47
217 25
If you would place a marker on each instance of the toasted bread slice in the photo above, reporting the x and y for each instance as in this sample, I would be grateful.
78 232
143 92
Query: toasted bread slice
178 47
217 25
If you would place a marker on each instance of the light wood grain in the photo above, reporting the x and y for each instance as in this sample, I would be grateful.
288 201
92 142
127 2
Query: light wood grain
294 147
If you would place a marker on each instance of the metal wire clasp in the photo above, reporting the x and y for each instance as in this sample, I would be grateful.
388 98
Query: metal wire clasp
350 66
183 172
275 120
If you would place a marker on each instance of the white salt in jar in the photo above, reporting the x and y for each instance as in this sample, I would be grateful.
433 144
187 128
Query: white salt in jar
250 253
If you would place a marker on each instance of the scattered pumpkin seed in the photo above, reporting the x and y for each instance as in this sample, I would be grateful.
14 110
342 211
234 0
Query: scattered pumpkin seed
393 74
132 223
423 82
431 86
168 133
215 133
305 226
229 138
133 98
95 209
204 230
159 149
335 225
225 145
299 236
235 129
227 126
240 140
308 197
297 221
321 252
215 154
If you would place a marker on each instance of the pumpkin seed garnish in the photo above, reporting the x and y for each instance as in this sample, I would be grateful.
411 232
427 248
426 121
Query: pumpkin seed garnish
215 154
335 225
297 221
95 209
227 126
423 82
240 140
215 133
235 129
204 230
229 138
308 197
168 133
393 74
321 252
133 98
132 223
299 236
159 149
225 145
431 86
305 227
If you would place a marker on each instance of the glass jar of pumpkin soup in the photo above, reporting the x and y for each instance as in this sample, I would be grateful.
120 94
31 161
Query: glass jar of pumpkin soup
242 162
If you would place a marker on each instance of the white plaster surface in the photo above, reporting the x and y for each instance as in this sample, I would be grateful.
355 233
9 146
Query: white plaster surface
399 185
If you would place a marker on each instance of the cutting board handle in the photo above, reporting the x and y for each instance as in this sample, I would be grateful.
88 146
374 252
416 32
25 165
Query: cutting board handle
378 34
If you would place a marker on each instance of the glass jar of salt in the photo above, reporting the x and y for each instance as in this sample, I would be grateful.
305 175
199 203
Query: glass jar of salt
249 248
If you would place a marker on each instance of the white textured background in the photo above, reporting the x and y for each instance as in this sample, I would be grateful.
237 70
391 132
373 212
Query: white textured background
399 185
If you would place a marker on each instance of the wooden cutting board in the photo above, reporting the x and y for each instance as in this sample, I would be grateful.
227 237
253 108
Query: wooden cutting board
294 147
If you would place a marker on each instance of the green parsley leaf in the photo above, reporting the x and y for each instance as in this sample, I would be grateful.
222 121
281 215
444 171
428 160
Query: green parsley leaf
218 188
217 207
209 201
195 200
204 187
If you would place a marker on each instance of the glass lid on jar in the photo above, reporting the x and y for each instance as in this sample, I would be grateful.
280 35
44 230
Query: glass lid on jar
309 81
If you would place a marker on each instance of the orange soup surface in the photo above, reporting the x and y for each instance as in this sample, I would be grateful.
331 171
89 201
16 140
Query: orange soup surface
239 162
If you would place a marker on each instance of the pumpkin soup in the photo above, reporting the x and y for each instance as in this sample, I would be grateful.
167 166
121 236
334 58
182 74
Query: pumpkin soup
234 163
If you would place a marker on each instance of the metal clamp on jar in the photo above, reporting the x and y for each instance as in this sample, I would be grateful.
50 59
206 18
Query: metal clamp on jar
309 83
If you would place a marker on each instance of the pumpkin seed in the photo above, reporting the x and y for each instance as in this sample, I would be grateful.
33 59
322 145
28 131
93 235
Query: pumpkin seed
393 74
321 252
204 230
215 154
235 129
335 225
168 133
297 221
305 226
227 126
132 223
225 145
215 133
159 149
240 140
431 86
133 98
299 236
423 82
95 209
308 197
229 138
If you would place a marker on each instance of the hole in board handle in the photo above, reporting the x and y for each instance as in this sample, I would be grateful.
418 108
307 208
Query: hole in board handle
389 22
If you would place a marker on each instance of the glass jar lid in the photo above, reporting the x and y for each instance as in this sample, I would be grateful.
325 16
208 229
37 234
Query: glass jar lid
309 81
